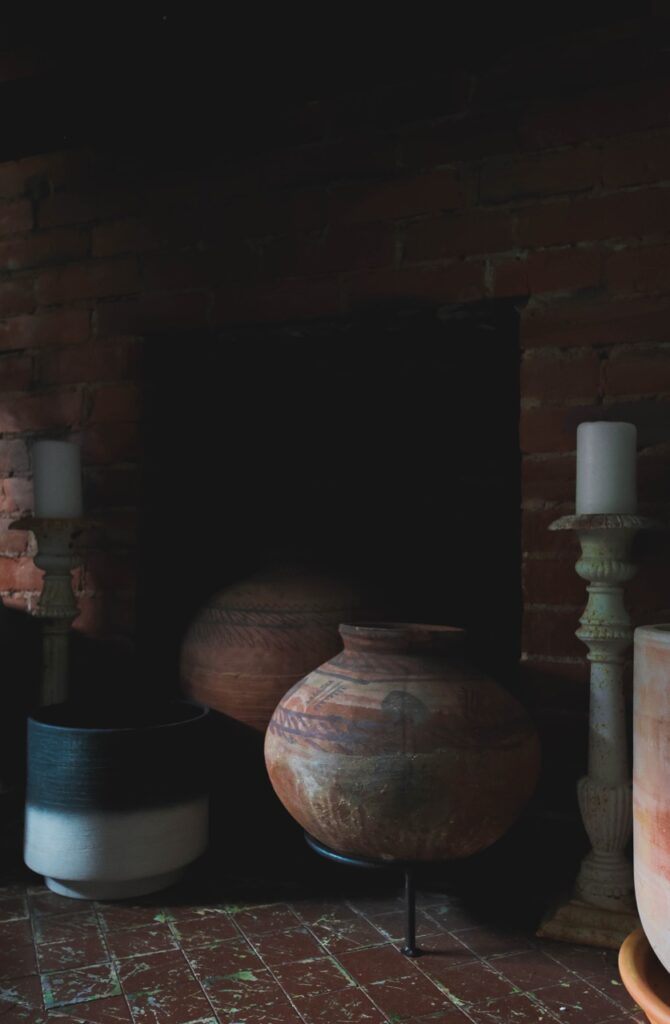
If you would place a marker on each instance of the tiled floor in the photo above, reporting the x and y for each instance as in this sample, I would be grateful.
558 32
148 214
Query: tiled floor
168 960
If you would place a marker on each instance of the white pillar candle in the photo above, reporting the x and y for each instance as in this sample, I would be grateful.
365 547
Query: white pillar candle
606 468
56 480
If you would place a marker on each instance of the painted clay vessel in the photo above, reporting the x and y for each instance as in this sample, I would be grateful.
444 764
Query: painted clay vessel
116 804
398 749
651 785
254 640
646 979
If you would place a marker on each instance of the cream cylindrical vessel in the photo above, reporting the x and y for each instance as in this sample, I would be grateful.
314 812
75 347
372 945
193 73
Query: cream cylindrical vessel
651 785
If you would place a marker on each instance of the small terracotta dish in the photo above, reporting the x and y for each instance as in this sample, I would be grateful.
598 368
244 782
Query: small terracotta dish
644 976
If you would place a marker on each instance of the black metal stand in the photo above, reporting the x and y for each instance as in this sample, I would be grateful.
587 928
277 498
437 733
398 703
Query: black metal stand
410 947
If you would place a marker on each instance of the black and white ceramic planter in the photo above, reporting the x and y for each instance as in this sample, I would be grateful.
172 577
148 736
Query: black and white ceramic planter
116 803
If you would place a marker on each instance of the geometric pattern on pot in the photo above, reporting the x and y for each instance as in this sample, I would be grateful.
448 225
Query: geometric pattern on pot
116 800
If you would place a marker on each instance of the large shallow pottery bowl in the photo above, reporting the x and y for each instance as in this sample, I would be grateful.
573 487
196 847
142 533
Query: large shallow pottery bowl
644 976
651 785
116 804
252 641
398 749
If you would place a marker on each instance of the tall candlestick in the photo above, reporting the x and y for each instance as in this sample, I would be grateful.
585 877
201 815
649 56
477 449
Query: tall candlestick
606 469
56 480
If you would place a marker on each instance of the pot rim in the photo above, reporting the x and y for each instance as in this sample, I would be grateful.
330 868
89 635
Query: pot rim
658 631
636 963
399 629
198 713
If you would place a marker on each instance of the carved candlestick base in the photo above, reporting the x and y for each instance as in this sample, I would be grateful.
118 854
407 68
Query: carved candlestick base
57 605
602 909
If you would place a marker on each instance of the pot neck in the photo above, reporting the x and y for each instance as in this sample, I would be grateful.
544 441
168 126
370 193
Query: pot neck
401 637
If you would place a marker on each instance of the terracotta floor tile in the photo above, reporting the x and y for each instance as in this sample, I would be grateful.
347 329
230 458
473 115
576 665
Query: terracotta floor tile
172 1004
445 947
23 1015
22 992
79 986
16 962
411 996
312 911
113 916
615 990
576 1002
376 964
72 928
486 942
15 933
392 925
450 918
473 982
312 977
273 917
80 952
147 972
13 908
285 947
201 931
519 1009
348 1006
585 960
340 933
43 901
532 969
373 905
113 1010
222 959
255 998
139 941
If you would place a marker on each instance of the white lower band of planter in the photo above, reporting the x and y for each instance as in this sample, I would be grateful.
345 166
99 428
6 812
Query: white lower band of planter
112 854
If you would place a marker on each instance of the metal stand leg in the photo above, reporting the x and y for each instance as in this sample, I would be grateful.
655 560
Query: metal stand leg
409 949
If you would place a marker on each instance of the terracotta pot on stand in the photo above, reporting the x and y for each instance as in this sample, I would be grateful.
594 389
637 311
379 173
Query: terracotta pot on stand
397 749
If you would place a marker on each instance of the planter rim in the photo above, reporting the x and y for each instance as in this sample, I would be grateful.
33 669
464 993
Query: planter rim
638 966
660 632
198 713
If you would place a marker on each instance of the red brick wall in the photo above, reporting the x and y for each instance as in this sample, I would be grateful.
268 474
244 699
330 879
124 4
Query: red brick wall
543 176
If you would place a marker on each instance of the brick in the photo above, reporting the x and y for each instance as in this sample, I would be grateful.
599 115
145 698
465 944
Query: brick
650 415
546 429
123 236
40 412
67 326
11 180
462 281
15 217
15 542
347 159
636 160
153 311
110 571
604 112
470 232
552 581
551 632
405 196
555 377
548 478
92 363
635 214
97 279
338 250
109 443
546 174
200 268
594 319
538 539
17 495
294 299
85 207
16 372
653 476
19 574
16 297
474 137
270 212
552 270
645 270
13 457
635 371
40 250
116 402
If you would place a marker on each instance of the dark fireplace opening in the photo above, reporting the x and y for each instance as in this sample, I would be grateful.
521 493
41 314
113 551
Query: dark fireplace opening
383 447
